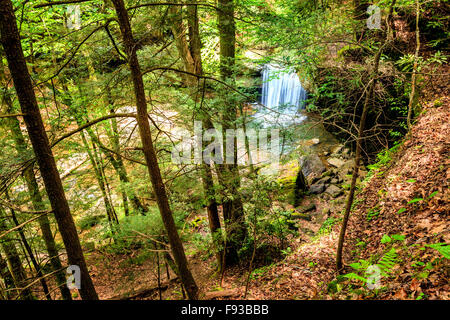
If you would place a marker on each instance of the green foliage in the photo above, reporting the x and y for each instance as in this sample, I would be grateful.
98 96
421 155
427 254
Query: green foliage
327 226
373 213
129 233
89 221
442 248
383 159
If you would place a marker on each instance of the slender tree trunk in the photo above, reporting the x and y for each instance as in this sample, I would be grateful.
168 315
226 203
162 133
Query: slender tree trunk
233 212
7 279
412 96
179 33
14 261
115 141
194 64
150 154
373 79
36 130
30 253
122 173
100 181
37 202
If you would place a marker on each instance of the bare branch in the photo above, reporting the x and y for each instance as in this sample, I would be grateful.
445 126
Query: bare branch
54 3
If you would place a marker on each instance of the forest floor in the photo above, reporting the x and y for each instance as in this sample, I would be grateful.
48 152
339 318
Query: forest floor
405 198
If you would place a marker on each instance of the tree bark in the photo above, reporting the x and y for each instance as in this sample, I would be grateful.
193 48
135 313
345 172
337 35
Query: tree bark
14 262
179 33
38 203
30 253
194 63
22 82
110 214
412 96
233 212
367 100
7 278
150 154
115 141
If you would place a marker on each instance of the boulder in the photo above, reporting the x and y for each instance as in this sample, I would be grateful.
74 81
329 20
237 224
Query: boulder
324 180
306 208
335 180
336 162
328 173
311 142
317 188
311 164
337 149
334 191
299 215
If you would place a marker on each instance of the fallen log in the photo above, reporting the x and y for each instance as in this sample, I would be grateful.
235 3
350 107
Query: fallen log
145 292
223 293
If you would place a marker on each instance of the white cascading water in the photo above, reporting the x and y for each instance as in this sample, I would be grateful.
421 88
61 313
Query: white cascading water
282 97
281 87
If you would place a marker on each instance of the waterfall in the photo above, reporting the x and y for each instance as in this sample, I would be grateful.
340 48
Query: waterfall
281 87
282 97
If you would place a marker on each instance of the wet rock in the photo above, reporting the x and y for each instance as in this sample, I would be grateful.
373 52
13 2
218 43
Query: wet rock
307 231
301 186
336 180
299 215
327 173
306 208
317 188
336 162
324 180
311 142
314 180
311 164
337 149
334 191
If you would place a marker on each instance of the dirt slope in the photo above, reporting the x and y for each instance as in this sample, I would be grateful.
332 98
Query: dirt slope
418 172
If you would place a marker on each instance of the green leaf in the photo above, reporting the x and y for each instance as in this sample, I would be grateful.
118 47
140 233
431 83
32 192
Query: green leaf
356 265
433 194
443 249
398 237
354 276
386 239
415 200
411 180
401 210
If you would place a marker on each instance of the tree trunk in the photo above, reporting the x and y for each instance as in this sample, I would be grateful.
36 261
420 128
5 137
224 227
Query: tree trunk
412 96
36 130
149 152
115 141
121 172
14 262
30 253
37 202
194 64
179 33
100 181
370 90
233 212
7 279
